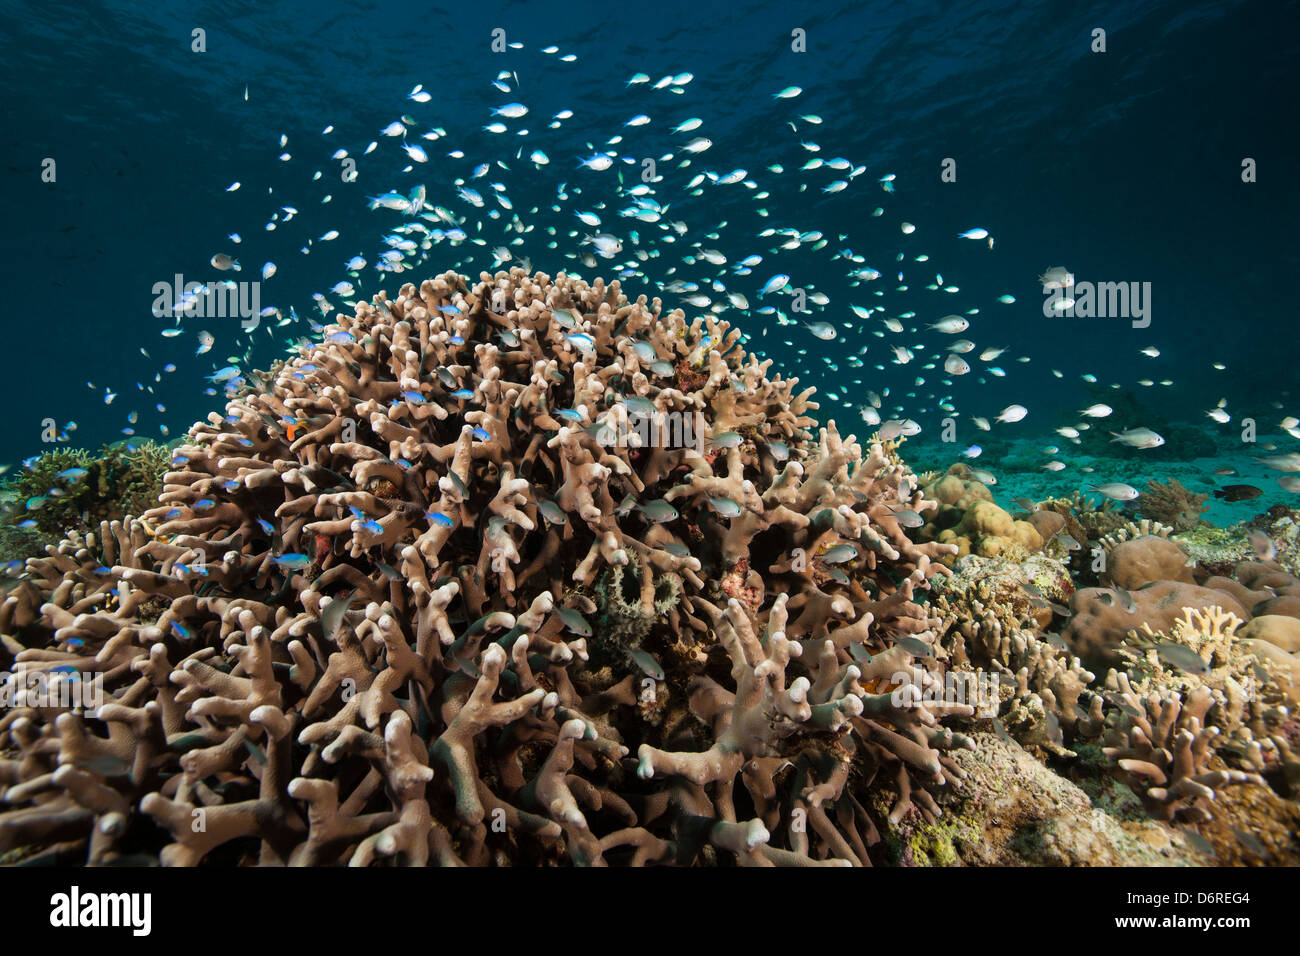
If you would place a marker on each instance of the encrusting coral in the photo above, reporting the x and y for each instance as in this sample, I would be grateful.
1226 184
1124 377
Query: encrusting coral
431 596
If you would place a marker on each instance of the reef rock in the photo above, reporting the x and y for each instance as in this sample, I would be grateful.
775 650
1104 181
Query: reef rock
1139 561
1099 619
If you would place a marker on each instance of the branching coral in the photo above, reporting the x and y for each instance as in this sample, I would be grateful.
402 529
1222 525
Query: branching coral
1163 747
360 627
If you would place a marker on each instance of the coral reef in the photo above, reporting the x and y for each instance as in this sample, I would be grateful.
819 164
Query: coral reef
430 595
1162 744
968 518
73 489
1172 505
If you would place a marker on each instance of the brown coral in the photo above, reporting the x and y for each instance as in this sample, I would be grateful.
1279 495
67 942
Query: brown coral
372 646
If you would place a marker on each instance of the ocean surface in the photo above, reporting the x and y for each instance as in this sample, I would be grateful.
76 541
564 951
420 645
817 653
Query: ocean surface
1122 166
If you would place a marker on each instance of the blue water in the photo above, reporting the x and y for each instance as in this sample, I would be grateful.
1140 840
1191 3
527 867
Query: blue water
1122 166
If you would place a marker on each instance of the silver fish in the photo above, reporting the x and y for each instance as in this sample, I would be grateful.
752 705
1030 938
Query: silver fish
839 554
649 666
574 621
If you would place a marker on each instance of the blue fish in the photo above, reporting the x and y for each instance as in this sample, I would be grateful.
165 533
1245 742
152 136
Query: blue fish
292 560
437 517
774 284
462 394
69 474
481 434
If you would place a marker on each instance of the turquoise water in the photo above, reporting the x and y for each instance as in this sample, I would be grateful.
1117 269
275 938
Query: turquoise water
1121 166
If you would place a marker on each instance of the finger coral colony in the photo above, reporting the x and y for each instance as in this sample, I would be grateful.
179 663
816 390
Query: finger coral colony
518 572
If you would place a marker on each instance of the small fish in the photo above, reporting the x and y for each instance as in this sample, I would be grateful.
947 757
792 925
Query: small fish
955 365
1012 413
1057 277
839 554
1096 411
907 518
292 561
658 511
915 647
1199 843
1125 600
333 615
574 621
1117 490
1238 492
1262 545
1251 843
388 571
950 325
440 519
1182 657
725 507
648 665
823 330
1138 438
552 512
1289 462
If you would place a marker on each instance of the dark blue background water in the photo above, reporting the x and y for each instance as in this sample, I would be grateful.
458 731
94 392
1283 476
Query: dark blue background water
1123 166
